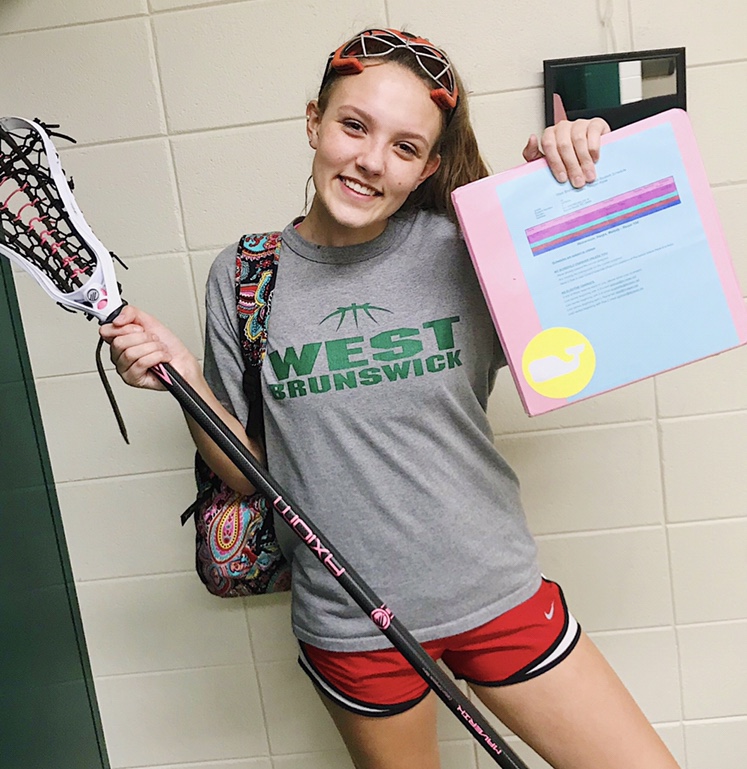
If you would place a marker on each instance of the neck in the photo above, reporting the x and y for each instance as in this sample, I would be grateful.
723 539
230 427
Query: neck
320 228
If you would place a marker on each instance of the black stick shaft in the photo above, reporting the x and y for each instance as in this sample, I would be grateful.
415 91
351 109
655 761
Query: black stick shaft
358 590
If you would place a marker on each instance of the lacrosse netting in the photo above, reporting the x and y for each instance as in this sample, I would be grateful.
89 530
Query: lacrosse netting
43 231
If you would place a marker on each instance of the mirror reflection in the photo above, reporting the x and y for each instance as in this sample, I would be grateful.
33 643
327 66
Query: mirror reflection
621 88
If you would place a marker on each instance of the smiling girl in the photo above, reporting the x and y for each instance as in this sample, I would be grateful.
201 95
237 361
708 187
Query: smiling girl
380 359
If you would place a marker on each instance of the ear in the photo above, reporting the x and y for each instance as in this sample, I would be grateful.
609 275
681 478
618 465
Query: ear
313 118
431 167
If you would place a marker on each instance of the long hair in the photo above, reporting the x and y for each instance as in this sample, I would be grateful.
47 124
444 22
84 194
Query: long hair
461 161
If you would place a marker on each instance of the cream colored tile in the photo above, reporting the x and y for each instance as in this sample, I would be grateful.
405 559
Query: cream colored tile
450 726
503 123
635 402
201 262
731 202
209 80
707 88
270 628
297 721
648 664
708 386
165 5
581 479
510 55
706 37
457 755
224 177
62 343
84 441
169 622
97 81
184 716
716 743
673 736
246 763
39 14
714 676
163 286
614 580
328 759
127 192
125 527
703 467
708 570
58 342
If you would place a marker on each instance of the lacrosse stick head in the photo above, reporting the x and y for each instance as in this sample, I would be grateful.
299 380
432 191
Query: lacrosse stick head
43 231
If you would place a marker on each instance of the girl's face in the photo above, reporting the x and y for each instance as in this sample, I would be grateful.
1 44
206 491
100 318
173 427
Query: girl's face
374 145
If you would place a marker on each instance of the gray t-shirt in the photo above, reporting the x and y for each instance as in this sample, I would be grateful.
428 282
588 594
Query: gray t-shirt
380 359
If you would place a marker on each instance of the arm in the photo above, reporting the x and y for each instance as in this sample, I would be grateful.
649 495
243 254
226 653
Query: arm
138 342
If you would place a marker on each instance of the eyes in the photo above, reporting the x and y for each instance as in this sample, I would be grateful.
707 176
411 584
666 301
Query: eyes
355 127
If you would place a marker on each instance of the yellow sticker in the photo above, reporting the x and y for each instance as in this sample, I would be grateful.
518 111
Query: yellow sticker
558 362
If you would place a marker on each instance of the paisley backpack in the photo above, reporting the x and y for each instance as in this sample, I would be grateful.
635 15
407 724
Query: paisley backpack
237 553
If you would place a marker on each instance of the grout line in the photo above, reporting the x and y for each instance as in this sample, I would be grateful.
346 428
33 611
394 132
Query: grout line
586 533
137 577
714 623
258 682
125 477
638 421
73 24
630 25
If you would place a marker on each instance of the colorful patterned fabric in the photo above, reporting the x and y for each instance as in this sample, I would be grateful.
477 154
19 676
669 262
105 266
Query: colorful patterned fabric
237 553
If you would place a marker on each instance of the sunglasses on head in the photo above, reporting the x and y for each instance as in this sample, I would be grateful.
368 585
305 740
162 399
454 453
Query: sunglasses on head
381 42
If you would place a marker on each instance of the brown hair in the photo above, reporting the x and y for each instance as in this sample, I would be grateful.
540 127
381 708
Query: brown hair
461 161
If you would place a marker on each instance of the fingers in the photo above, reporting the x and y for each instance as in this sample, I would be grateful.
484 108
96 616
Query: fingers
572 148
134 354
532 150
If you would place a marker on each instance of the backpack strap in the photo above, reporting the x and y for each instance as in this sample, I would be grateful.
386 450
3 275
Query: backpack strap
256 268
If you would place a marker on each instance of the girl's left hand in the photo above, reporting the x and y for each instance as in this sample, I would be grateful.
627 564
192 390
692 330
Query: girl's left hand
571 148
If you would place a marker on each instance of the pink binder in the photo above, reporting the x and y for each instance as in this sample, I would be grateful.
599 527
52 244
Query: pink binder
593 289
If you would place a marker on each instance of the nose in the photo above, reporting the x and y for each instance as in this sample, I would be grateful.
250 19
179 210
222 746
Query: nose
371 158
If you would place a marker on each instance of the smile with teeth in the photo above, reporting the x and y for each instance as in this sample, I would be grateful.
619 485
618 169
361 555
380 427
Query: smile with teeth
361 189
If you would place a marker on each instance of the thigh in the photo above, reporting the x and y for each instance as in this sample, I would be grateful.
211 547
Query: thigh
578 715
405 741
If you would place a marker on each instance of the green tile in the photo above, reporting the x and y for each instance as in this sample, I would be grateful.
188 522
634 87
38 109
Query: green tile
39 645
20 462
49 727
31 531
10 364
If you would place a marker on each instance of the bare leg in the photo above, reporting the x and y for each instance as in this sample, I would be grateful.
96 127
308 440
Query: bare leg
579 716
404 741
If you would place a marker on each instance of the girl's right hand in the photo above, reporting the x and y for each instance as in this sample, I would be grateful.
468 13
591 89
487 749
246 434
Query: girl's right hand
138 342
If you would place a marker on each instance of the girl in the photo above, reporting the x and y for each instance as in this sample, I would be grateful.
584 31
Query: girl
380 359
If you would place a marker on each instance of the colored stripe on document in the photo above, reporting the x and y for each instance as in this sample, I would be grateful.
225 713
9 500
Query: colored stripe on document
603 216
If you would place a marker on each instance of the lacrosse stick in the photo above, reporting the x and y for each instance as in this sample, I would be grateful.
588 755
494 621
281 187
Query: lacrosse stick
43 231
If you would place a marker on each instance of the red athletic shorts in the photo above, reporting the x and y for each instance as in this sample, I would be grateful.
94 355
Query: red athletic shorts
522 643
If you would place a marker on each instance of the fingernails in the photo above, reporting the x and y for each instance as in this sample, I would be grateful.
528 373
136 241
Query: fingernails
578 181
562 177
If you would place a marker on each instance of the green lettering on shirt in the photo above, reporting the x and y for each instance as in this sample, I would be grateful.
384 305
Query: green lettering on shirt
369 376
397 371
435 363
320 384
396 344
444 331
302 364
345 380
277 391
340 350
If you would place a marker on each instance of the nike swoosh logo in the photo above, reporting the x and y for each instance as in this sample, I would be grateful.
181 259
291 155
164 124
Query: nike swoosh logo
549 614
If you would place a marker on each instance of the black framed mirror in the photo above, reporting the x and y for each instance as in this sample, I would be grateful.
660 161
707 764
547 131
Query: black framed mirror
622 87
